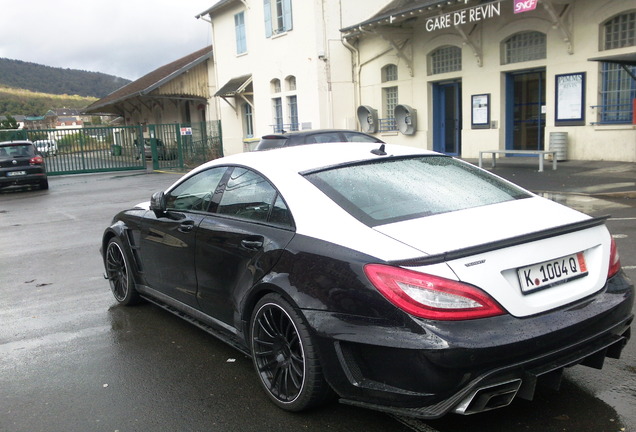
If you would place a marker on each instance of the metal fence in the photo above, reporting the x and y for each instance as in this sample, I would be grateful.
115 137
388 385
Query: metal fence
101 149
183 146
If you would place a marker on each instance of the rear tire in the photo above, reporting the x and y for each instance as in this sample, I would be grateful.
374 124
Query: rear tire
118 272
44 184
285 357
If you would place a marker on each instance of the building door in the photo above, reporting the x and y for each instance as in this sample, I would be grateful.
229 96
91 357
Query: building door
525 110
447 121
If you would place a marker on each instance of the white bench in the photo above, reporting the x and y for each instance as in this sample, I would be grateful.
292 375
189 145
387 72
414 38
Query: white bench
541 153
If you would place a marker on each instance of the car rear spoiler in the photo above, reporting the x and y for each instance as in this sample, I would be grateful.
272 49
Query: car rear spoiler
501 244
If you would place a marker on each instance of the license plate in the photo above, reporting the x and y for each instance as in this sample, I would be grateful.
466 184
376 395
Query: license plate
553 272
15 173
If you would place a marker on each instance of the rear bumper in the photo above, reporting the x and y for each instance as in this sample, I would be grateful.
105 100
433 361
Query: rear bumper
31 177
434 368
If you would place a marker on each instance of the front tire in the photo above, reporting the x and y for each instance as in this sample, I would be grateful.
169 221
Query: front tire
284 356
118 272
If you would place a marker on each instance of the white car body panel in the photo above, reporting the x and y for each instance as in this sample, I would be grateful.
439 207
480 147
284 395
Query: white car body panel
436 234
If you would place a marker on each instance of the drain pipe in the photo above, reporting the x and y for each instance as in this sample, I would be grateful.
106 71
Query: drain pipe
355 70
357 61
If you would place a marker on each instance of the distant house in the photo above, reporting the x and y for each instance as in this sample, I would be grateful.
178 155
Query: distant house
69 122
35 122
174 93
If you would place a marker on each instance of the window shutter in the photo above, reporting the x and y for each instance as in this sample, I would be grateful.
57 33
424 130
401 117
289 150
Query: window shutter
267 10
287 18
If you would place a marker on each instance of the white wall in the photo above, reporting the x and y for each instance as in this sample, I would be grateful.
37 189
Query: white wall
312 52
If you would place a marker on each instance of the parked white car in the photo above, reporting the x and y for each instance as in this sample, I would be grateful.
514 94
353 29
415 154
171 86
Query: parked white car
46 147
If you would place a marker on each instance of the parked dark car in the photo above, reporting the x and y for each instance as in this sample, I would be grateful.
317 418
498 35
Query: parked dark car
163 152
399 279
22 164
288 139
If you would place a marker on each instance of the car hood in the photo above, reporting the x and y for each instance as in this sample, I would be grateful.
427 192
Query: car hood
496 269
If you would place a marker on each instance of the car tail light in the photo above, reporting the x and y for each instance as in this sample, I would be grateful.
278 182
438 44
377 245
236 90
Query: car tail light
429 296
615 260
36 160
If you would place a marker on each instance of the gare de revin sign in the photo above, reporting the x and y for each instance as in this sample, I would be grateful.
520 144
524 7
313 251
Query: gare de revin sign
465 16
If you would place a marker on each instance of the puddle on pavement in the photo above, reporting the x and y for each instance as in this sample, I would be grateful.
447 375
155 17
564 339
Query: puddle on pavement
584 203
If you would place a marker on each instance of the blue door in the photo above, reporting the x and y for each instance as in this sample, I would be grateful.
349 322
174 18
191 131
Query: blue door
525 110
447 121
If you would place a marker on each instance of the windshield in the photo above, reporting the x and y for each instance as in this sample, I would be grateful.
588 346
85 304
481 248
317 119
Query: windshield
392 190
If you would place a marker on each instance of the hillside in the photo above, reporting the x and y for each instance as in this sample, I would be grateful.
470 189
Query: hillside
24 102
57 81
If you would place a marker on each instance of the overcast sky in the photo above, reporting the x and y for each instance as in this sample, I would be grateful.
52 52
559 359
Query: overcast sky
126 38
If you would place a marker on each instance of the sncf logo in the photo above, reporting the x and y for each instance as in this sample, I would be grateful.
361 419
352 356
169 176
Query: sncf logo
525 5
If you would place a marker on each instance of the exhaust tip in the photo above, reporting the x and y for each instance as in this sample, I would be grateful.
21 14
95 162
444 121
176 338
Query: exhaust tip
489 398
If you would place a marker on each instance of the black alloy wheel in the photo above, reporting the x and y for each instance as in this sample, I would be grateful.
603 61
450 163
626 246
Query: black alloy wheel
284 356
118 274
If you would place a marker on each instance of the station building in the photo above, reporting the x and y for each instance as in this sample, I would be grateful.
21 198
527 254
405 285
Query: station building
464 76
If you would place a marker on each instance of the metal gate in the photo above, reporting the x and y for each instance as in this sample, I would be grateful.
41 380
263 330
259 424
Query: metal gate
183 146
101 149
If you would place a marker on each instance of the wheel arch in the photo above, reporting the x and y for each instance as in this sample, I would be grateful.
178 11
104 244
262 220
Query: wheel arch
115 230
120 230
277 285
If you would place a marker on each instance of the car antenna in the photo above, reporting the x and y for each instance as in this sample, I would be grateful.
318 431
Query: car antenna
379 151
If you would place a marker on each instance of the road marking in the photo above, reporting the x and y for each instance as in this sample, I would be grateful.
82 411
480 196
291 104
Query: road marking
623 219
629 267
415 424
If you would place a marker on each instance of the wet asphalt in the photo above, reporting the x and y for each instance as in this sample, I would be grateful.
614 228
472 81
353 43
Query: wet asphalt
72 360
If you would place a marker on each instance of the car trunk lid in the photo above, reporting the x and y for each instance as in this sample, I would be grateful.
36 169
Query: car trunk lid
508 246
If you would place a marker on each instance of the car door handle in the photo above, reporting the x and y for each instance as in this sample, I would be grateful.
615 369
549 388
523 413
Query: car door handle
186 226
252 244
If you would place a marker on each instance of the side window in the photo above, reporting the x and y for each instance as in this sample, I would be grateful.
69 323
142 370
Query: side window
249 196
280 214
196 192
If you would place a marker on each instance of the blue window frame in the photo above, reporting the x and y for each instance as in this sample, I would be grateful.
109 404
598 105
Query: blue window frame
292 103
278 16
617 94
248 120
239 27
277 105
618 89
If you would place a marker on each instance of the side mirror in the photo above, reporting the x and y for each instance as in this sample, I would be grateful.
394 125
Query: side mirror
158 202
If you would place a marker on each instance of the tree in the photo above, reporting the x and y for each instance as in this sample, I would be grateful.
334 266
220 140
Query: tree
9 123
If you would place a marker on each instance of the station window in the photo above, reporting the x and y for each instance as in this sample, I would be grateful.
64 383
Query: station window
445 59
389 98
618 87
620 31
277 111
524 46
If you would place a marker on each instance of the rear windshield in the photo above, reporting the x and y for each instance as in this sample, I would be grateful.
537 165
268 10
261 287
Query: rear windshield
393 190
17 150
